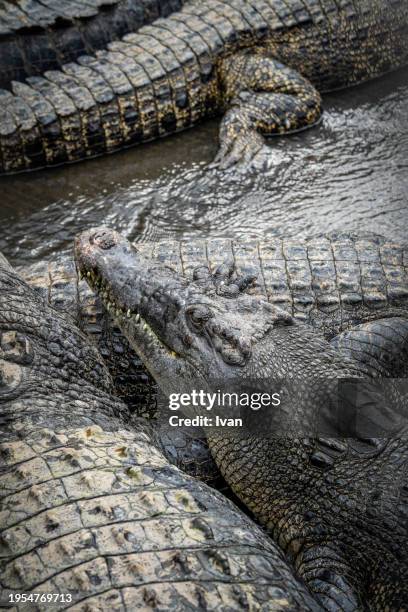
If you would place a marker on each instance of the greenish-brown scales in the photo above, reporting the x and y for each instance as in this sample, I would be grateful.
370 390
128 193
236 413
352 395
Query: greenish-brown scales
263 63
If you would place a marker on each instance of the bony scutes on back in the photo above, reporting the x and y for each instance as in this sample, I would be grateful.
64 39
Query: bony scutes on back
42 352
202 61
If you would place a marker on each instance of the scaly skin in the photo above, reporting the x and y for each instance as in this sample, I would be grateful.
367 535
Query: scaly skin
263 63
90 509
45 36
332 283
337 505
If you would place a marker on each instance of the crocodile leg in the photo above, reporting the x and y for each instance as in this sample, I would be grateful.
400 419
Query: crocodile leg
382 348
264 98
380 345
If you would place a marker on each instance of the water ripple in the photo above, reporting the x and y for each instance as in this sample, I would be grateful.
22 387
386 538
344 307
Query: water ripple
349 173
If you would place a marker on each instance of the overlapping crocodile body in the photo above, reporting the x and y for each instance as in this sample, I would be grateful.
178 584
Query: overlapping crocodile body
264 62
326 471
91 512
37 36
116 526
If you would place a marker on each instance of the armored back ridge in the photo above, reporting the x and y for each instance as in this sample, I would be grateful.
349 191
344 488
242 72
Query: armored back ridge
261 62
331 283
40 36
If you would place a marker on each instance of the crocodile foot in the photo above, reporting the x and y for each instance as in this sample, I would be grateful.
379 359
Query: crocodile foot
263 98
240 145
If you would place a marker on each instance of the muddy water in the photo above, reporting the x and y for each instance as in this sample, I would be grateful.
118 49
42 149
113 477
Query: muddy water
350 173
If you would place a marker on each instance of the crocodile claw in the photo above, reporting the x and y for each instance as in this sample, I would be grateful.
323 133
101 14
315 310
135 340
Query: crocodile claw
247 152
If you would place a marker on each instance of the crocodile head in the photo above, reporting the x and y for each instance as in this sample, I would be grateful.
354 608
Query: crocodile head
181 329
208 329
49 373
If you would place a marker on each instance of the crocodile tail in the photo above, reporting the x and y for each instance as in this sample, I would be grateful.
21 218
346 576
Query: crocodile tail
50 34
145 86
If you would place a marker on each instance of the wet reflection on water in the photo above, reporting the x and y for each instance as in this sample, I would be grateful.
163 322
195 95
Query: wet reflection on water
350 173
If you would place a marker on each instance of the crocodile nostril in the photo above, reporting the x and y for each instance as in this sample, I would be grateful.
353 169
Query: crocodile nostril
103 239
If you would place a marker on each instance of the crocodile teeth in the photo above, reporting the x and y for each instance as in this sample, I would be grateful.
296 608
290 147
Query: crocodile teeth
137 319
128 314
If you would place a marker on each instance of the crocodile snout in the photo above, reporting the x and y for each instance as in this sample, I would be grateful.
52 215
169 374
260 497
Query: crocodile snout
92 244
99 237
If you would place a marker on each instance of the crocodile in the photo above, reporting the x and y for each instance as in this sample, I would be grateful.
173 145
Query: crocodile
262 63
42 36
336 503
92 514
332 283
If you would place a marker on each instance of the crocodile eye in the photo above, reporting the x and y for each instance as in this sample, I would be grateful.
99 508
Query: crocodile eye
199 315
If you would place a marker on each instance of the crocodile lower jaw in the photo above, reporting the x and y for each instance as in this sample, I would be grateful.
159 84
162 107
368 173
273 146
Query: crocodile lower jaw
124 316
